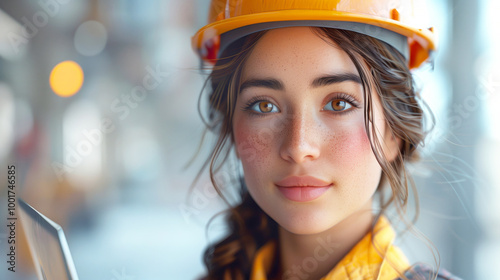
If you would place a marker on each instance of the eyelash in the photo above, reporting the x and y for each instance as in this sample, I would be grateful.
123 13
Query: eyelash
342 96
254 100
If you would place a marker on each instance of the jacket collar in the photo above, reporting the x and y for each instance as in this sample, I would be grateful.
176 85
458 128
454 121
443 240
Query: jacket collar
379 260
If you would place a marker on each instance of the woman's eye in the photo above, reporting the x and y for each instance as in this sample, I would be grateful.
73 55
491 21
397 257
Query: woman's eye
338 105
264 107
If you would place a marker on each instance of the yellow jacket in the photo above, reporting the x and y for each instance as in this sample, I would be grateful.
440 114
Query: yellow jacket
379 260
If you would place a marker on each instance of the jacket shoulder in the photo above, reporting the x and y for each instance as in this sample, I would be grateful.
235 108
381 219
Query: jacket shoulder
421 271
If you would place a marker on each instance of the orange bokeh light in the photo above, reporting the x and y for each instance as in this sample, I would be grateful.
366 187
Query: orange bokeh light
66 78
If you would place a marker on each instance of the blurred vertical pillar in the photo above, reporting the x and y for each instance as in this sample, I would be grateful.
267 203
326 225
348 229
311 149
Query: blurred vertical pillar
464 52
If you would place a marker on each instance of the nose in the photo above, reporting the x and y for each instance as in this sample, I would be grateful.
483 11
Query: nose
301 140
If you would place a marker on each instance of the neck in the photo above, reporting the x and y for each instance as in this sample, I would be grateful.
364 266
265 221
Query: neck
313 256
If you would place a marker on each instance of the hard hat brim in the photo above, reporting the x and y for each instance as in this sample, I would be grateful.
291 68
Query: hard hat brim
424 38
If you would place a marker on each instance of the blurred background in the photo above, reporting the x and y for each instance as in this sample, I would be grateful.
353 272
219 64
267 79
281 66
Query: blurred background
106 155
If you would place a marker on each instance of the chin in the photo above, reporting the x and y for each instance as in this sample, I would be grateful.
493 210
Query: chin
304 231
301 229
306 224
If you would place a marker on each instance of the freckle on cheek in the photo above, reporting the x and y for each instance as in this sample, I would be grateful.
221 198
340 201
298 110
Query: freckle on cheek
254 146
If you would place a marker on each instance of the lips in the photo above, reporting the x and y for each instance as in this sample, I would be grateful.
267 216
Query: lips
302 181
303 188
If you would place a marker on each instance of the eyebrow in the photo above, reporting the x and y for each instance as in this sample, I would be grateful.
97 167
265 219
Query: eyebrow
318 82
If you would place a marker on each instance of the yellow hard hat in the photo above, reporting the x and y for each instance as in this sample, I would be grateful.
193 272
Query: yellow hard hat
391 21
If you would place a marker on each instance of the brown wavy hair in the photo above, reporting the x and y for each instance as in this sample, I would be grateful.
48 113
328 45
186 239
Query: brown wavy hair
381 68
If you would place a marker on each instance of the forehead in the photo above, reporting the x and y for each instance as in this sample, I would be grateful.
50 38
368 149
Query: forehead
296 54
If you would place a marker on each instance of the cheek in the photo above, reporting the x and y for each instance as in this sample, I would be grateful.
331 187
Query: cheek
254 145
350 146
356 167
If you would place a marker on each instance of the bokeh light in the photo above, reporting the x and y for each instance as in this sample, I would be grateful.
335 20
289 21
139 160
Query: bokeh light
66 78
90 38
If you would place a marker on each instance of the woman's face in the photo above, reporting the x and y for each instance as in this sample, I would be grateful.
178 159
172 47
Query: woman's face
300 113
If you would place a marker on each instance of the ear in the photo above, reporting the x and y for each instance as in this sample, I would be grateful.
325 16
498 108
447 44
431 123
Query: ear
392 144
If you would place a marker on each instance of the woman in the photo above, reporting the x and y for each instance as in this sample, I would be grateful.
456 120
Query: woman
318 102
